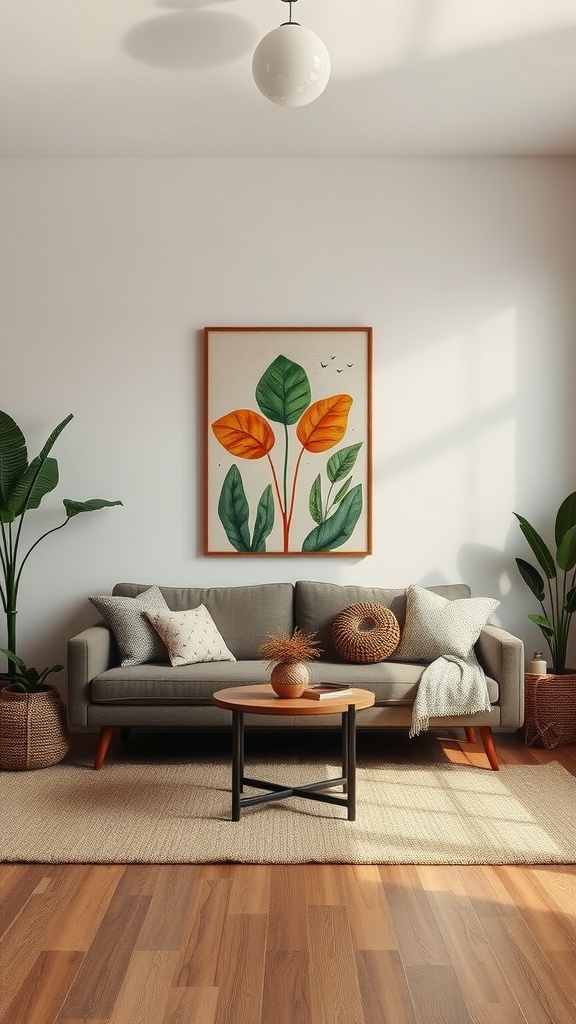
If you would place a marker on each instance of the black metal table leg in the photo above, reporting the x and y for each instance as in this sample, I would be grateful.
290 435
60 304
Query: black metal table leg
345 750
237 761
351 773
309 791
241 738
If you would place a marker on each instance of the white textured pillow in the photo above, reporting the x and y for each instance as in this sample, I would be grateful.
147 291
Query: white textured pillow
190 636
137 641
436 626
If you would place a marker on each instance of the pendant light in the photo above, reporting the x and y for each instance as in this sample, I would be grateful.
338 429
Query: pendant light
291 65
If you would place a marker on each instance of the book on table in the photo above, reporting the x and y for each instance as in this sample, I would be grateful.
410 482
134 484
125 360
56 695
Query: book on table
322 691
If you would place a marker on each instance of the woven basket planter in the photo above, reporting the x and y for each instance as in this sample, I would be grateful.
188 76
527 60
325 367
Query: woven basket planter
550 717
33 732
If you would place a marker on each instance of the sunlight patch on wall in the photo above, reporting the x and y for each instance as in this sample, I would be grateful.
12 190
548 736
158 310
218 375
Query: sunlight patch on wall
448 470
492 448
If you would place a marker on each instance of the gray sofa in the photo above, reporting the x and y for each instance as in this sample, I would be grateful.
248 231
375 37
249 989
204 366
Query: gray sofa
104 695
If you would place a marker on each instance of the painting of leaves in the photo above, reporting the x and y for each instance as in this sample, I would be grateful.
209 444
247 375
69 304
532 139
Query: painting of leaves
288 445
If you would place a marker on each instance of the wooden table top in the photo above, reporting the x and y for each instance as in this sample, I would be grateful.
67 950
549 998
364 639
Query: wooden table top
261 700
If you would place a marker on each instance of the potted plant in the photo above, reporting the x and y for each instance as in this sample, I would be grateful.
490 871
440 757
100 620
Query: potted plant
287 656
23 485
33 732
550 699
557 598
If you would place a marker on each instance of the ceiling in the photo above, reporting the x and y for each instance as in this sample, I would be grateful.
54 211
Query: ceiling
173 78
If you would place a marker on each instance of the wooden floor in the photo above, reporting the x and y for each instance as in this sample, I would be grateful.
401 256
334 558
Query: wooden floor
295 944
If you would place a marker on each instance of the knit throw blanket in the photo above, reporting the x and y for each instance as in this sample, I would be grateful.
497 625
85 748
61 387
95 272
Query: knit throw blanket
449 686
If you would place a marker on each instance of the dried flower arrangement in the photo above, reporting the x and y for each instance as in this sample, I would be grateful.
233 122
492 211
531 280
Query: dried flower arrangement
281 648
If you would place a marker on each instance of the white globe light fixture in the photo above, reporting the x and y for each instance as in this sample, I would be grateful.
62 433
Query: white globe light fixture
291 65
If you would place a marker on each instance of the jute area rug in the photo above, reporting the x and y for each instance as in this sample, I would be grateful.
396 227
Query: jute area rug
179 812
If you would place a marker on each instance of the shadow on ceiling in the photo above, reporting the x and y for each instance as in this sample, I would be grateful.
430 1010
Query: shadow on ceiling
189 38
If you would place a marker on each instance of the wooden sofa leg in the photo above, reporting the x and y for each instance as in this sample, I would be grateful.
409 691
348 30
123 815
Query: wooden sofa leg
488 744
103 744
470 734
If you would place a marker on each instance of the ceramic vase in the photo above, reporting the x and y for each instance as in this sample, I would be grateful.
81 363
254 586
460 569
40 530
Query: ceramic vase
290 680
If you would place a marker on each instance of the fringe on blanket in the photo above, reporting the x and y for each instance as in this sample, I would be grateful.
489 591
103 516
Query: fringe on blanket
449 686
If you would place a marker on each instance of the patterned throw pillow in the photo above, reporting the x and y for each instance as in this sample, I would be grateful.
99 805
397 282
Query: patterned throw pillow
190 636
436 626
137 641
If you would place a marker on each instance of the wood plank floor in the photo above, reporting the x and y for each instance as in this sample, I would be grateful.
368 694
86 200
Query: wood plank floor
294 944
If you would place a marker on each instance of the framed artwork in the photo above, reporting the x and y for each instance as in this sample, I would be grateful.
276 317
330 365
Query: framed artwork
288 440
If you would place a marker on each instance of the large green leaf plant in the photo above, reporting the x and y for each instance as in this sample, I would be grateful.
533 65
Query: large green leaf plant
557 596
23 485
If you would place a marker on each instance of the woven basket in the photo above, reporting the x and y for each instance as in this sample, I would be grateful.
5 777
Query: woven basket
33 731
550 703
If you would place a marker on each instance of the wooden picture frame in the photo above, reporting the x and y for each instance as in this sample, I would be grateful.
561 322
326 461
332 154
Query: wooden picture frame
288 441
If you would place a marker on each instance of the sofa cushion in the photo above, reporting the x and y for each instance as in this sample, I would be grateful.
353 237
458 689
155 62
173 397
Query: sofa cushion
243 615
317 604
391 682
162 684
137 641
190 636
435 626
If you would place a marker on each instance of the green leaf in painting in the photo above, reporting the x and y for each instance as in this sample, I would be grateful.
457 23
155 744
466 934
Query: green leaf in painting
233 510
343 490
283 391
342 462
315 500
336 530
264 520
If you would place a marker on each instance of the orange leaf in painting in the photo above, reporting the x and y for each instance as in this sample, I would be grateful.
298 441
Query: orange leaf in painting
324 423
245 434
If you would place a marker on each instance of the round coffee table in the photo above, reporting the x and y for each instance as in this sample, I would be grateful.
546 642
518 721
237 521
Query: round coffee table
261 700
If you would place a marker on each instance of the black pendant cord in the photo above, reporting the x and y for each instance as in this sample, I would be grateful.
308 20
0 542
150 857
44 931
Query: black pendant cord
290 22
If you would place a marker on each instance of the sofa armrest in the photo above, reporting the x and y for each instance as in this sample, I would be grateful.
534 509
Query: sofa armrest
501 655
89 653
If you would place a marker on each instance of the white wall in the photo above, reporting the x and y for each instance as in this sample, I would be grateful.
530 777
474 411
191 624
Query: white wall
466 270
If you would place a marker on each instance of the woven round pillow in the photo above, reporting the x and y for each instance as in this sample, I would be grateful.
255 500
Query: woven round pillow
366 632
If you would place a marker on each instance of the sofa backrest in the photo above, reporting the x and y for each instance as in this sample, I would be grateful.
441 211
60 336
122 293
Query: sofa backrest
317 604
243 615
246 615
